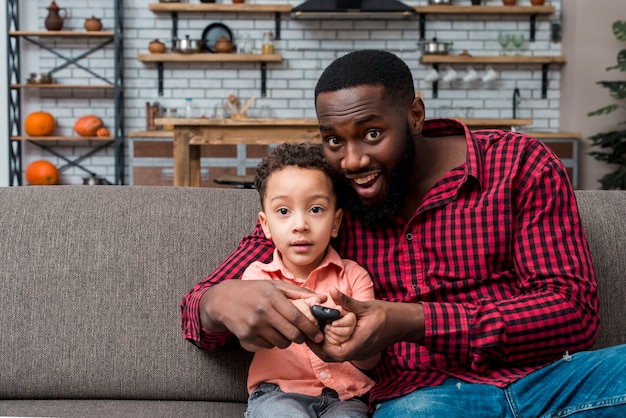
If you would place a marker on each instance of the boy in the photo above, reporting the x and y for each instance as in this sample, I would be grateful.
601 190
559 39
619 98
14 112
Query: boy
300 214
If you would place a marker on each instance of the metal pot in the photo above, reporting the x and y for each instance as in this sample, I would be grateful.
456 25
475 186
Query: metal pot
93 181
436 47
169 1
187 45
439 1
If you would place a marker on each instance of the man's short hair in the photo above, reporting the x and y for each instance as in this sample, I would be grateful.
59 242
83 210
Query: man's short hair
370 67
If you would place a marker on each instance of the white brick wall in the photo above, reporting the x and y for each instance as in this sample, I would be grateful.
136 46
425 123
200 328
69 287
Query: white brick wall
307 47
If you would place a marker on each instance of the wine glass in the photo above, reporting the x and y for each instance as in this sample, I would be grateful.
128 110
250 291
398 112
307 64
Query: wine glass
503 40
518 40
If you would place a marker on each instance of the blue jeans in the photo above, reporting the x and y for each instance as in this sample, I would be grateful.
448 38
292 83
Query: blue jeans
586 384
268 401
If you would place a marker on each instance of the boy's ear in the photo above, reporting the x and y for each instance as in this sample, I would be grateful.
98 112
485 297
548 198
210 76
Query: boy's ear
336 222
266 228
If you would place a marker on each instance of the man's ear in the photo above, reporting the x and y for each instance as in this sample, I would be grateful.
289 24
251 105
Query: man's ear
264 225
416 116
336 222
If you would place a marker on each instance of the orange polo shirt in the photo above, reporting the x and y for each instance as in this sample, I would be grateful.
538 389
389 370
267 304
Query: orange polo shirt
296 368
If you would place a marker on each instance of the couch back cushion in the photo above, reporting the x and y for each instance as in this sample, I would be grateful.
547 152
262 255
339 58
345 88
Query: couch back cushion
91 279
90 283
603 215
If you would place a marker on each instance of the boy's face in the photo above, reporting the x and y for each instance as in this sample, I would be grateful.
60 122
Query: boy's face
300 215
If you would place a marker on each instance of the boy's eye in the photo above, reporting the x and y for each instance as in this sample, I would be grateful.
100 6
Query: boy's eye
283 211
316 209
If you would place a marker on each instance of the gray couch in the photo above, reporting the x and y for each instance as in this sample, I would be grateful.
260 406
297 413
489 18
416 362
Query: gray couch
91 278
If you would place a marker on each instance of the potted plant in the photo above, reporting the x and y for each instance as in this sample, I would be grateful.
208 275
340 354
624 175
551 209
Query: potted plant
613 141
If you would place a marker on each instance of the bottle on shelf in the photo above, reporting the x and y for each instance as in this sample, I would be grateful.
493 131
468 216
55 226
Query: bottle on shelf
268 43
189 113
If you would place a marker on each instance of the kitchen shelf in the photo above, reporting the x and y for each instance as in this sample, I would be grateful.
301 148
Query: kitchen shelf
174 8
210 57
63 86
531 11
151 134
62 138
464 59
220 7
41 38
544 61
64 34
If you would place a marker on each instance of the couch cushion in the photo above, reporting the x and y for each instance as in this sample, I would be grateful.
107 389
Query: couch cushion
90 284
604 217
121 409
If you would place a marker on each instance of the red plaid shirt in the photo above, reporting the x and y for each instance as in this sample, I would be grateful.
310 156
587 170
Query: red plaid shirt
495 253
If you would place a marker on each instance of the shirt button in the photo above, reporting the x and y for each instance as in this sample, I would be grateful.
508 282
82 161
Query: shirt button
409 236
323 375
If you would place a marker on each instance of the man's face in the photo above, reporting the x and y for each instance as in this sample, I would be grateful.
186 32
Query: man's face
368 142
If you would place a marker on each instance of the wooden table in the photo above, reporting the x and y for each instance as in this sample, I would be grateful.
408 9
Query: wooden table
189 134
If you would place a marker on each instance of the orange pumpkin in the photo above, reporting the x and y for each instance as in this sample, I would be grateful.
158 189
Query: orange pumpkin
41 173
87 125
39 124
103 132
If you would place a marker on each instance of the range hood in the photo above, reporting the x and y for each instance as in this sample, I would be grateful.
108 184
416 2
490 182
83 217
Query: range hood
350 9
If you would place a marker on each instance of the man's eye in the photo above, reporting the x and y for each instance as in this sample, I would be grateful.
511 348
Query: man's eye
333 141
372 135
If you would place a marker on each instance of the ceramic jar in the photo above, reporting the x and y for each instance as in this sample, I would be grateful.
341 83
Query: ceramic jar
509 2
537 2
156 47
93 24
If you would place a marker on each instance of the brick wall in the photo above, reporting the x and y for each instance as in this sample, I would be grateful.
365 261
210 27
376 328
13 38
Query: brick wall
307 47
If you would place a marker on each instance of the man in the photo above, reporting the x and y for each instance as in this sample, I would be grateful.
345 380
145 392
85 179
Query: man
478 257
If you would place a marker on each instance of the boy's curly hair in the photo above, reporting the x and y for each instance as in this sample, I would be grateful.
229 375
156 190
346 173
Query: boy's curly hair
301 155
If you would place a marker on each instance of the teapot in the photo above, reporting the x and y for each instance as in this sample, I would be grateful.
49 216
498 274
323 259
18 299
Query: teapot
93 24
223 44
56 16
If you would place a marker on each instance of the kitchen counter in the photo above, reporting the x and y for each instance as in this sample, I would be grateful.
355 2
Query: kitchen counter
190 134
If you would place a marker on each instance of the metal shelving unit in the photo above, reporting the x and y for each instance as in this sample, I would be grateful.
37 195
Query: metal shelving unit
15 136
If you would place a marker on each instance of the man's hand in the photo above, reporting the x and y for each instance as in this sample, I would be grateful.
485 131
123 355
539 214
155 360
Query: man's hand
259 312
379 325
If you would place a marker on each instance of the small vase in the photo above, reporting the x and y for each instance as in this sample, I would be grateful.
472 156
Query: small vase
509 2
537 2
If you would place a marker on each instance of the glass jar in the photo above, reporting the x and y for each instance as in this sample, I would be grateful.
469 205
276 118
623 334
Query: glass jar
267 47
170 113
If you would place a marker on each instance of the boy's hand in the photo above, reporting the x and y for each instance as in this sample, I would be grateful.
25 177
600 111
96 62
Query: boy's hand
340 330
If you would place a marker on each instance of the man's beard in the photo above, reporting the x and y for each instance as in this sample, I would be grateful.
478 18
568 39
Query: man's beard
397 189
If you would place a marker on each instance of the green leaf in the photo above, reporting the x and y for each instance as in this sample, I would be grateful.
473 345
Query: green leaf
604 110
619 29
621 66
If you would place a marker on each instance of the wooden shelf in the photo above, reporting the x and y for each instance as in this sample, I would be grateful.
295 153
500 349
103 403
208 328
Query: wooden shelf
151 134
463 59
62 86
62 138
486 10
209 57
63 33
215 7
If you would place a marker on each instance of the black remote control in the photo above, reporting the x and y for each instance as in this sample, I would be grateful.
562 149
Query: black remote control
324 315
